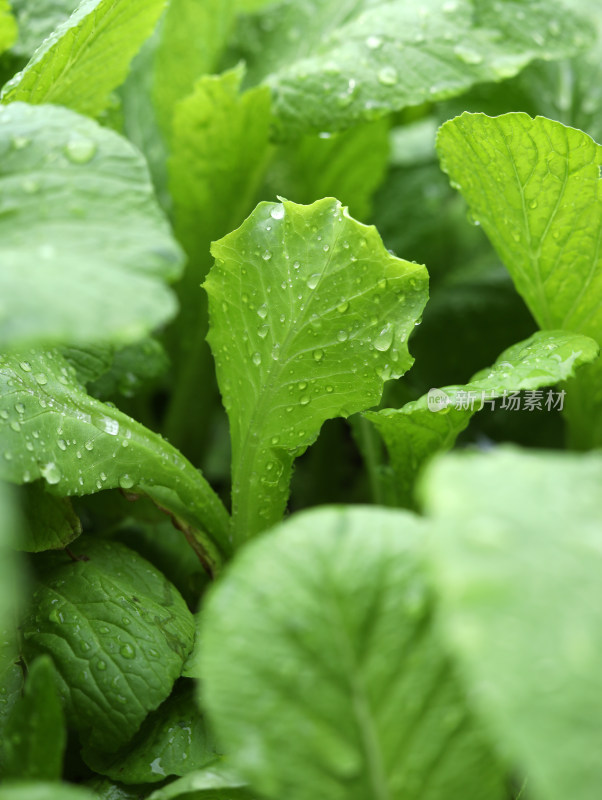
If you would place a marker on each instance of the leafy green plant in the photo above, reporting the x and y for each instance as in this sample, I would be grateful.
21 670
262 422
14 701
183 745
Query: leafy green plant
244 316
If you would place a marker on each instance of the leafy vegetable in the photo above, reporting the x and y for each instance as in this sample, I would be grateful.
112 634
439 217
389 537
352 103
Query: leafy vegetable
127 624
360 60
426 426
516 552
180 189
78 223
324 314
64 70
51 429
348 671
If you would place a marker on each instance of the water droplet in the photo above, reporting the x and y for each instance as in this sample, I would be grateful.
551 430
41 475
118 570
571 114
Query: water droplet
330 389
468 56
275 440
533 203
101 665
110 426
55 616
382 284
126 481
51 473
80 150
304 400
267 255
19 408
262 311
127 651
516 236
318 355
89 445
313 280
343 307
384 339
342 336
15 427
373 42
263 331
4 414
41 379
8 456
277 212
257 359
19 142
388 76
62 444
25 366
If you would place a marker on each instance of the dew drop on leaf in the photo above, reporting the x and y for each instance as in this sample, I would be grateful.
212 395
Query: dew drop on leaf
318 355
51 473
126 481
388 76
80 150
257 359
373 42
277 212
127 651
313 280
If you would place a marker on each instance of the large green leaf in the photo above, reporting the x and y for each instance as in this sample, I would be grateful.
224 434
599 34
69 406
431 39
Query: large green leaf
331 64
173 741
87 56
321 636
118 633
309 316
533 185
51 429
418 430
35 736
8 26
31 790
517 553
85 249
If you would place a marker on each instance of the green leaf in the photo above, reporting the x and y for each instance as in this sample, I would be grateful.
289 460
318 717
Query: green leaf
418 430
533 185
9 583
118 633
131 367
349 165
332 64
220 149
309 316
33 790
8 26
173 740
35 735
36 21
515 549
50 428
85 249
321 636
192 39
213 783
50 522
65 70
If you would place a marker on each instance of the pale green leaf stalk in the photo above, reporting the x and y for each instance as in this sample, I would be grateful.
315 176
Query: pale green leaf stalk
87 56
86 252
515 557
51 429
309 316
332 64
321 636
418 430
534 186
